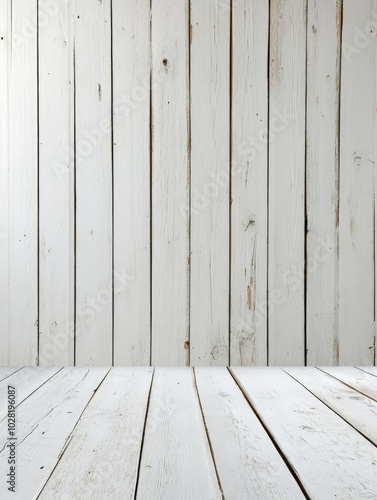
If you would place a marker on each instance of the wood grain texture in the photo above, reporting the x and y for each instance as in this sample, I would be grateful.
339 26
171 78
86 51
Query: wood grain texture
360 380
248 327
56 185
358 128
26 381
44 424
131 124
249 465
23 187
103 455
287 87
5 64
322 181
7 371
170 182
303 426
183 467
94 282
369 369
188 182
356 409
210 190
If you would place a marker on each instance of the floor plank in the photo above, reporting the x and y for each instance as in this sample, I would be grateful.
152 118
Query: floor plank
6 371
131 57
170 181
358 379
311 436
176 460
56 186
26 381
22 298
103 455
210 186
358 151
286 242
368 369
248 464
355 408
44 423
93 114
249 185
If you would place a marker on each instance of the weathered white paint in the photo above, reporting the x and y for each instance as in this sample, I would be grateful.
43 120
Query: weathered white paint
311 436
248 327
170 182
166 224
322 180
131 122
94 284
247 462
56 186
45 421
103 454
26 381
210 66
5 59
183 467
360 380
23 187
286 270
357 409
95 433
358 158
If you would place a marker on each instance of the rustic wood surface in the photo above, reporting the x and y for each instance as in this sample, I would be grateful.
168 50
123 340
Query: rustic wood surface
193 433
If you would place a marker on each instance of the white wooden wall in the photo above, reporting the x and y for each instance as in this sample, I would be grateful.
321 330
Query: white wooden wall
188 182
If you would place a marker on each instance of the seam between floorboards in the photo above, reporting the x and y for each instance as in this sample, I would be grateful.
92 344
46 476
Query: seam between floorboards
290 466
12 373
70 435
207 434
364 371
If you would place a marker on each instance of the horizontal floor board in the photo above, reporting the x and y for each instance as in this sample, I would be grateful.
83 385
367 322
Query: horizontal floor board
176 460
357 379
248 464
25 381
103 454
331 459
44 423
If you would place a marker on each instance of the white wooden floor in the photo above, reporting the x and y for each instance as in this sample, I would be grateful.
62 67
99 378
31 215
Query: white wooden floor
183 433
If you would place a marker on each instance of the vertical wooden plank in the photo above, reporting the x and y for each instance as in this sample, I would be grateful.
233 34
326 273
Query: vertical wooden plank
170 181
357 176
210 92
23 187
248 334
322 174
93 183
131 110
287 183
56 185
249 466
5 60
